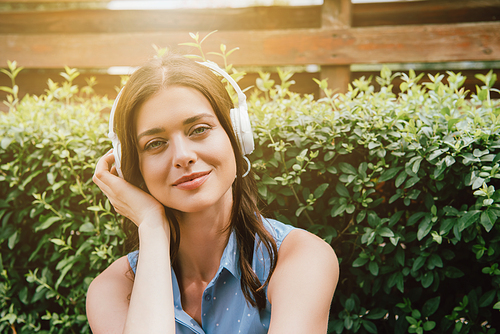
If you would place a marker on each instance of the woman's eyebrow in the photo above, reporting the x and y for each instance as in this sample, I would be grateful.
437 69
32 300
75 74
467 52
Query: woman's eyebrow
150 132
195 118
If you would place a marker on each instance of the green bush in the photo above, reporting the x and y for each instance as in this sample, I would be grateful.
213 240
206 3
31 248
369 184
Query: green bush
57 230
402 186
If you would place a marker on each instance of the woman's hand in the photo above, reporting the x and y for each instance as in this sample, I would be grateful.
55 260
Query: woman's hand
127 199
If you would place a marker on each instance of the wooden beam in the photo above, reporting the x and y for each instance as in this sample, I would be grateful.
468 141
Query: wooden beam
330 14
45 1
125 21
433 43
425 12
336 14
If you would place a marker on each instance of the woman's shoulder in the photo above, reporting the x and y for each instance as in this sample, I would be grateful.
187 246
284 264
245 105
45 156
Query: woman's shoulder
108 295
303 245
278 230
119 270
306 260
303 282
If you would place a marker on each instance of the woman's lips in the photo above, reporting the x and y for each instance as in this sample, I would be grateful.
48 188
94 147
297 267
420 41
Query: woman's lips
191 181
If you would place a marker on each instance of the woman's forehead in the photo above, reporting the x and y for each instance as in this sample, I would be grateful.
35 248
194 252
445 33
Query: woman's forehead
175 105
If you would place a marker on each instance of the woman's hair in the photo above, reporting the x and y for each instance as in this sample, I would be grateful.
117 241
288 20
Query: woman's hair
177 70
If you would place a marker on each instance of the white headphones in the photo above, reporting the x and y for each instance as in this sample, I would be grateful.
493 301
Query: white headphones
239 119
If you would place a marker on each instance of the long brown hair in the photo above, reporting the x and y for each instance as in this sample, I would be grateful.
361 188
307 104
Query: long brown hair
174 69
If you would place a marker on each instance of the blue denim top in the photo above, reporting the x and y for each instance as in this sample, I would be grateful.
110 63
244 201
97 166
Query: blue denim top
224 308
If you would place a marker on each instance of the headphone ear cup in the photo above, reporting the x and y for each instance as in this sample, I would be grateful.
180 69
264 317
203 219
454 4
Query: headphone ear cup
243 129
235 120
117 153
246 133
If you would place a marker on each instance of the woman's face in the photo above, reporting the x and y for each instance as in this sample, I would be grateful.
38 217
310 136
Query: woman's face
185 156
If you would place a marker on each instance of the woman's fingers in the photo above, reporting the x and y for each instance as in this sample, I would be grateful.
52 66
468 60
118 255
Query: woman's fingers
127 199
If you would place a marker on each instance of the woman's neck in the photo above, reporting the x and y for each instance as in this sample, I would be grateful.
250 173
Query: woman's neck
204 236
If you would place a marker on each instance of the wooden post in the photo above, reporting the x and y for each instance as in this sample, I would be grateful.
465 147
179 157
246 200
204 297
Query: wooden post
336 14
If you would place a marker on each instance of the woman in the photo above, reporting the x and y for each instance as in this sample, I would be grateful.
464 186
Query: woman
208 262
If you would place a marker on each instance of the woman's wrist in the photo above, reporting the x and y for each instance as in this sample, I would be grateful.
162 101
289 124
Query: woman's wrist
154 225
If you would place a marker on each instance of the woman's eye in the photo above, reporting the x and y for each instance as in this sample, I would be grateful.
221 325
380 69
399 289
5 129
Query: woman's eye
154 144
200 130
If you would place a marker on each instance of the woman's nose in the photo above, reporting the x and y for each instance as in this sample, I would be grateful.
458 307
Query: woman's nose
184 154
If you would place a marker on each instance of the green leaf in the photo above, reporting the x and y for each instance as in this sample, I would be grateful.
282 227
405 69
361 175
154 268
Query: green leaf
350 208
411 321
46 223
87 227
9 317
347 168
414 218
416 165
350 304
449 160
435 154
342 190
332 170
431 306
359 262
429 325
453 272
337 210
385 232
81 318
12 240
373 267
424 227
376 313
488 219
483 94
361 215
487 298
395 218
389 174
411 182
329 155
300 210
336 326
4 144
348 323
418 263
266 179
452 122
468 219
369 326
436 261
400 256
427 279
400 179
320 190
58 242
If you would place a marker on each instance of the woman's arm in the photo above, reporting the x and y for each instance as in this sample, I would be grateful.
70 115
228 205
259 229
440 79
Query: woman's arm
108 298
302 286
151 307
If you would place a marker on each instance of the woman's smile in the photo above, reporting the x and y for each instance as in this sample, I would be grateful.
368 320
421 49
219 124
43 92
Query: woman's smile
192 181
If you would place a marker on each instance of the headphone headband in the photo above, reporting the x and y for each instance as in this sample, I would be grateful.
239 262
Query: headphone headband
241 96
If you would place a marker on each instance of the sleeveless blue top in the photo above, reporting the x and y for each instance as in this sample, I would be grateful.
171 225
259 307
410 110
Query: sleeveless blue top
224 308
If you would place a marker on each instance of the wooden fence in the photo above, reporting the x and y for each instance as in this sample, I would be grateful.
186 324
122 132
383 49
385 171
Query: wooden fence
42 37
